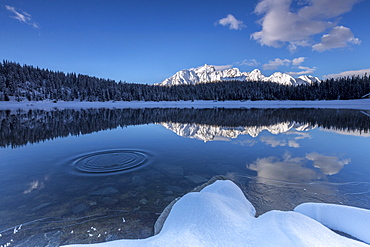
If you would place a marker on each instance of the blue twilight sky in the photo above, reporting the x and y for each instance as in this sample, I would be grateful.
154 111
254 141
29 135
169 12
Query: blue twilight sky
149 40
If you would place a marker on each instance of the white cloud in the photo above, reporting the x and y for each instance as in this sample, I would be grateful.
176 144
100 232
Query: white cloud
232 22
248 62
282 25
338 37
298 60
360 72
277 62
23 17
304 71
222 67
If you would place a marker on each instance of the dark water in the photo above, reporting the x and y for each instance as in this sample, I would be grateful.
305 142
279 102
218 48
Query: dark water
96 175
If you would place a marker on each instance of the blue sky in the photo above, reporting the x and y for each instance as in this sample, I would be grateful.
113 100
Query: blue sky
148 41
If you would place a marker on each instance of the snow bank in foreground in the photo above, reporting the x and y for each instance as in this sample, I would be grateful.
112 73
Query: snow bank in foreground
220 215
351 220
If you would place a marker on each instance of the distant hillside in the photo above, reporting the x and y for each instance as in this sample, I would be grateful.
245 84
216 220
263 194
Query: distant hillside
30 83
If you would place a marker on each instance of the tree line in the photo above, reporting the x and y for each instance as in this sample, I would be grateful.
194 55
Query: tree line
24 82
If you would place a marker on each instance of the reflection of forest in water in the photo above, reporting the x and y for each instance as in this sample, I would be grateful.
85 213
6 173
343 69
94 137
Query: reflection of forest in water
20 127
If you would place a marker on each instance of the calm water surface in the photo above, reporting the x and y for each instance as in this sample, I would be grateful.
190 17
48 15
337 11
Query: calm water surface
96 175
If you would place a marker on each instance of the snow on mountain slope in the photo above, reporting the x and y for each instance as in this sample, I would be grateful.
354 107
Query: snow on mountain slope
307 79
204 74
208 73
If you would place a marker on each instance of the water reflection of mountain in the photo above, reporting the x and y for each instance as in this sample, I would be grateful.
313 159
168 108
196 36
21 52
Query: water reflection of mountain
22 127
210 133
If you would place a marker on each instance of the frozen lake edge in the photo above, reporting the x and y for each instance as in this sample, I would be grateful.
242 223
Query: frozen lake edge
359 104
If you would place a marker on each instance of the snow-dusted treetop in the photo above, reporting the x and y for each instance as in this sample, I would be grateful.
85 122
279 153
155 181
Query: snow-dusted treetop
209 73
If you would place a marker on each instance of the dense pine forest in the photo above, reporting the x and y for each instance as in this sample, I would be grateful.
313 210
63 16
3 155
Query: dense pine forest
25 82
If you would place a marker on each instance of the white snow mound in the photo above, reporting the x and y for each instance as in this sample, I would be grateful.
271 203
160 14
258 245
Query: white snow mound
220 215
351 220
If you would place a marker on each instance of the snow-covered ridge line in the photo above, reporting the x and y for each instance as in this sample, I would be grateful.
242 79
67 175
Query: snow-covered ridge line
360 104
208 73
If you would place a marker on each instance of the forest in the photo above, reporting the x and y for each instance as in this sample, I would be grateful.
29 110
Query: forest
24 82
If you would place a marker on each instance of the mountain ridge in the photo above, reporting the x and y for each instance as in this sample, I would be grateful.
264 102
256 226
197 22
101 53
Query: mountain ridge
209 73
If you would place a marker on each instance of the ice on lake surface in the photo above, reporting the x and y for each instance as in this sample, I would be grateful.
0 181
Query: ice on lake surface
94 175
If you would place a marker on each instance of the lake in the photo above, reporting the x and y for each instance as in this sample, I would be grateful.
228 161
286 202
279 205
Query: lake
95 175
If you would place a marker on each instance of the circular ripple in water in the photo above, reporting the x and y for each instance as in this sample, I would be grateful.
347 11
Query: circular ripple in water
110 161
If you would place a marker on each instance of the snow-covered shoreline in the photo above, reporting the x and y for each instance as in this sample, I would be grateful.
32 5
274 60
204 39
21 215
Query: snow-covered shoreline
360 104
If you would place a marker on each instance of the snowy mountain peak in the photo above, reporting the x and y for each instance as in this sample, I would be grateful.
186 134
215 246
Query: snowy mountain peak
255 75
209 73
307 79
206 68
282 78
256 72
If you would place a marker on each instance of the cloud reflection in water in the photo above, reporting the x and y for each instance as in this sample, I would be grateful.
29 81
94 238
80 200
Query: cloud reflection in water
296 169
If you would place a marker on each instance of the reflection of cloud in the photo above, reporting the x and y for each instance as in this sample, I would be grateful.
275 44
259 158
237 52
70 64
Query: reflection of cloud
300 135
248 143
272 141
328 165
35 185
289 169
293 144
290 142
293 169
